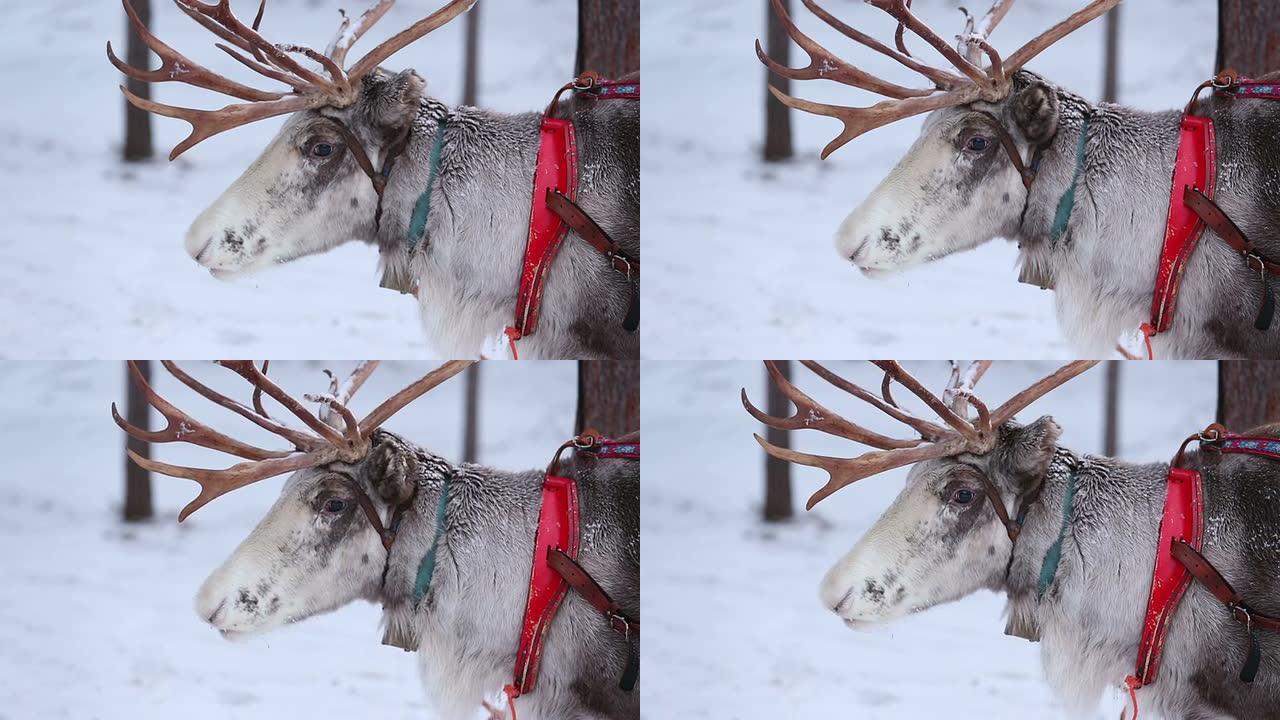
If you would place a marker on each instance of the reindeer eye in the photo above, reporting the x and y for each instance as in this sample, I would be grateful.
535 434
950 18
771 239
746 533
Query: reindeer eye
963 496
977 143
322 149
334 505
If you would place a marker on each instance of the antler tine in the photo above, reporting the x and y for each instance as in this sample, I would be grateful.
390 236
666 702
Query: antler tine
348 34
219 20
908 381
824 65
395 43
1038 389
1036 45
858 120
302 441
992 18
182 427
338 397
846 471
176 67
929 431
247 370
414 390
941 78
215 483
901 12
812 415
207 123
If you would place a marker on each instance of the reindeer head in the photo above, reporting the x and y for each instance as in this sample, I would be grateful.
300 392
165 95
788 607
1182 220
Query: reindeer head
949 532
324 543
964 180
319 182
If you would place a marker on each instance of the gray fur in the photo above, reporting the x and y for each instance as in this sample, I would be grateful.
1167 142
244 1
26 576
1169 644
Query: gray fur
468 264
1103 269
467 626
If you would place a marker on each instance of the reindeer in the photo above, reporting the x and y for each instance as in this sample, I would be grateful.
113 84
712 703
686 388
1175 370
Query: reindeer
450 223
940 541
1082 187
325 543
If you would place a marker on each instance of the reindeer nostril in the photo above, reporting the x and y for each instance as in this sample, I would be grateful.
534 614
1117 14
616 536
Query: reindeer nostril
214 615
839 607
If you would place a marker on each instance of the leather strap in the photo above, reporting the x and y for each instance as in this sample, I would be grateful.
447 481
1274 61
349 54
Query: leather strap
380 177
586 586
588 230
1028 174
1214 582
1212 215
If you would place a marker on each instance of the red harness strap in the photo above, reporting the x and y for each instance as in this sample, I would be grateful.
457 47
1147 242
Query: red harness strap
557 530
1196 166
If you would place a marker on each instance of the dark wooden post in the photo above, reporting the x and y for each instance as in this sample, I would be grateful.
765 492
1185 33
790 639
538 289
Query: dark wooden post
608 396
471 60
1111 58
137 481
471 413
777 117
1249 36
1111 412
777 473
1248 393
137 123
608 37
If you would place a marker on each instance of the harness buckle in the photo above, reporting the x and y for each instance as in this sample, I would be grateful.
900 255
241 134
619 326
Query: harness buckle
616 258
616 618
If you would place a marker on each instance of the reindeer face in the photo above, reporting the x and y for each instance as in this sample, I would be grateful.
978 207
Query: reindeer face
955 189
940 539
315 551
305 194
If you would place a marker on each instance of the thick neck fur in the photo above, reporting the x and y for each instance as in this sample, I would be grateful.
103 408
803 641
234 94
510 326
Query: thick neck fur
1091 616
467 264
1104 267
466 628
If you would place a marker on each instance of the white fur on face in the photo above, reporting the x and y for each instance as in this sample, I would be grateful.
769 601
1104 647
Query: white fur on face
939 199
922 552
287 204
296 563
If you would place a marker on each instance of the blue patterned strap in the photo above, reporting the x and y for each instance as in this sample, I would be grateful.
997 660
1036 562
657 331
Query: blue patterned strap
1267 447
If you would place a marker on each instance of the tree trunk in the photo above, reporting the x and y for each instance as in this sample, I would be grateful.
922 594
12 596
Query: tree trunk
777 473
1111 58
608 37
1111 419
1248 394
609 396
777 117
137 123
471 413
137 481
1248 36
471 60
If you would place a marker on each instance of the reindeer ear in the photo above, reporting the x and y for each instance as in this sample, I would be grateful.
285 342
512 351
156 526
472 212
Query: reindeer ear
1035 110
1027 451
394 100
392 469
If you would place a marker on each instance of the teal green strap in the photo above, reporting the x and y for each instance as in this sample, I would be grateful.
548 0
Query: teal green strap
422 208
1068 200
1049 569
427 567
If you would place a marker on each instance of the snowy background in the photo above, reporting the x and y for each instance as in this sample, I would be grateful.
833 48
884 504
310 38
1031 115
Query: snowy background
97 618
741 261
92 247
734 625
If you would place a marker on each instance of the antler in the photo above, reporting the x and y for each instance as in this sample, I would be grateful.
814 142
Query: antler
949 89
309 89
961 434
348 442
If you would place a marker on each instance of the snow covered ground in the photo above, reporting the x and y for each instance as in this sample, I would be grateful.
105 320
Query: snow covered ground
97 618
93 258
734 629
740 257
